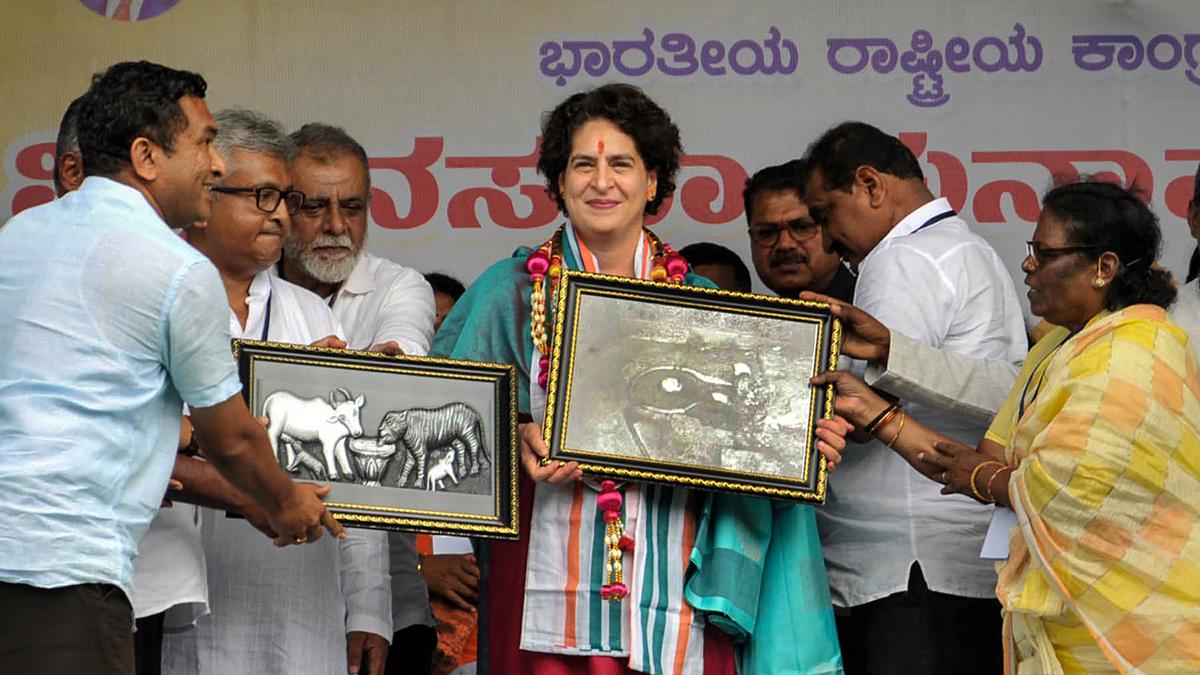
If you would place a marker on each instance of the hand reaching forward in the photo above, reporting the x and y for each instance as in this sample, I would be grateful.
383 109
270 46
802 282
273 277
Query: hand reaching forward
863 336
303 516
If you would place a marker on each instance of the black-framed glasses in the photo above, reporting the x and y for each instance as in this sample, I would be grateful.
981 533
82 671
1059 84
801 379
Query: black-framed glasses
1044 254
267 198
767 234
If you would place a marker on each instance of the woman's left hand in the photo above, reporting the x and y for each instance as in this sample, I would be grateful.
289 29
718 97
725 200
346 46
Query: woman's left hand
951 464
831 439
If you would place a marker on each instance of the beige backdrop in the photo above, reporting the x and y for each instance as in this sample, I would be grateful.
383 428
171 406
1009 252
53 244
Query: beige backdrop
446 96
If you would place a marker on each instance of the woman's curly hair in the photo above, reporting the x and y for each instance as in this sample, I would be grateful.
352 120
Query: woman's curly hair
626 106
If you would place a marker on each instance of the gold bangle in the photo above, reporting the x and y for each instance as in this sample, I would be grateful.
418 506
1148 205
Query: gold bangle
975 473
900 428
887 417
992 495
875 422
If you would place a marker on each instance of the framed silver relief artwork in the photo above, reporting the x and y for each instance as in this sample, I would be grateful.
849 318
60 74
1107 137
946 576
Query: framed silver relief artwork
407 443
689 386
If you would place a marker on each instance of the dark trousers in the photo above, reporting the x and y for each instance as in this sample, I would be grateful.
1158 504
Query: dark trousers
83 630
147 644
922 632
411 652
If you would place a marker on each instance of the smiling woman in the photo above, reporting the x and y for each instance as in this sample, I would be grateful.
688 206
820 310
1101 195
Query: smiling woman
604 588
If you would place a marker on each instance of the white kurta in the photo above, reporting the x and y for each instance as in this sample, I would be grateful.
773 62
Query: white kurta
1186 311
382 301
169 573
945 287
283 611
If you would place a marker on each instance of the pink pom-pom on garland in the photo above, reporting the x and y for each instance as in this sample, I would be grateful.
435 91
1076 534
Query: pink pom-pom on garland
609 501
536 264
676 266
614 591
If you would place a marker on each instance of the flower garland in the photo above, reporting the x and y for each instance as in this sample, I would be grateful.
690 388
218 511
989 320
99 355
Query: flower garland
546 261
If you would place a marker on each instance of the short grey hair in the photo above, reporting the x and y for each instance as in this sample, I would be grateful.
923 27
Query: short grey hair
325 143
240 129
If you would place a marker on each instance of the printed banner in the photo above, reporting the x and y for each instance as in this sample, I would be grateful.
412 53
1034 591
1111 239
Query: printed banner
996 99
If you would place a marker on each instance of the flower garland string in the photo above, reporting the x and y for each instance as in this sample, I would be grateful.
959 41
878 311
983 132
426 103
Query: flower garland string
544 265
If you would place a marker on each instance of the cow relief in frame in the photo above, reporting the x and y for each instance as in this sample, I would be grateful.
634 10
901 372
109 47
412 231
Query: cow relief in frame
406 443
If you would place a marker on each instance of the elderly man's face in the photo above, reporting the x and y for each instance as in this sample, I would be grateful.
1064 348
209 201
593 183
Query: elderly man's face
240 237
329 231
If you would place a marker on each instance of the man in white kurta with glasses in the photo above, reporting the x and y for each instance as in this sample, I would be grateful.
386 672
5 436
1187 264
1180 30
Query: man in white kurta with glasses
327 608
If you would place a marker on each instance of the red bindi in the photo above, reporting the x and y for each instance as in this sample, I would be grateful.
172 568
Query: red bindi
600 147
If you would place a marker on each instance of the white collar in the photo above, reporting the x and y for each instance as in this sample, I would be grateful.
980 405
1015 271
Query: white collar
911 223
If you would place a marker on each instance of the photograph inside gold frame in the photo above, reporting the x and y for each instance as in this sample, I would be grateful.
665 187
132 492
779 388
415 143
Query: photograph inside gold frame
689 386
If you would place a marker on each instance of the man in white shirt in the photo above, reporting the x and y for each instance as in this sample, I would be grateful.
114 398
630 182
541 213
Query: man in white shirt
903 560
383 306
327 610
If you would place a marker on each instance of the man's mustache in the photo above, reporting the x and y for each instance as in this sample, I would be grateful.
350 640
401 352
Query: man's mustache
792 257
330 240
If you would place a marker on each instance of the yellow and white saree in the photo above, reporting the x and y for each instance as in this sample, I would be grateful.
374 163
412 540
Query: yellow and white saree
1104 567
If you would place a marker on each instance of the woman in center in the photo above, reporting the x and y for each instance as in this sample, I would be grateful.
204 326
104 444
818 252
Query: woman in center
681 588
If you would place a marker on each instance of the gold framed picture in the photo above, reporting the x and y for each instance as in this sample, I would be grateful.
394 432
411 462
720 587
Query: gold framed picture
690 386
407 443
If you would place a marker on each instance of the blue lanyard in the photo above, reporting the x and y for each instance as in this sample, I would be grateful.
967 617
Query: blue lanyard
267 318
936 219
1038 388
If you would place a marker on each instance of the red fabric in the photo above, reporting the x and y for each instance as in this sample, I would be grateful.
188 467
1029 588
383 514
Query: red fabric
506 597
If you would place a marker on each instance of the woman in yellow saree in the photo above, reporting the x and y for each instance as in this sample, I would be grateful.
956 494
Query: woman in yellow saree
1096 451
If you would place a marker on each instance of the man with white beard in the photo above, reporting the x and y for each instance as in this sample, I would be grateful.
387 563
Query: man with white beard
381 305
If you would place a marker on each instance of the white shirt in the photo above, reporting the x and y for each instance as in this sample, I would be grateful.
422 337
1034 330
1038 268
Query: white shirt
945 287
169 573
383 301
283 610
1186 311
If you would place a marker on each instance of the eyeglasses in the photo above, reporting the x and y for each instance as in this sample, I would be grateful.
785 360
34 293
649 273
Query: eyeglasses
1044 254
267 198
767 234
